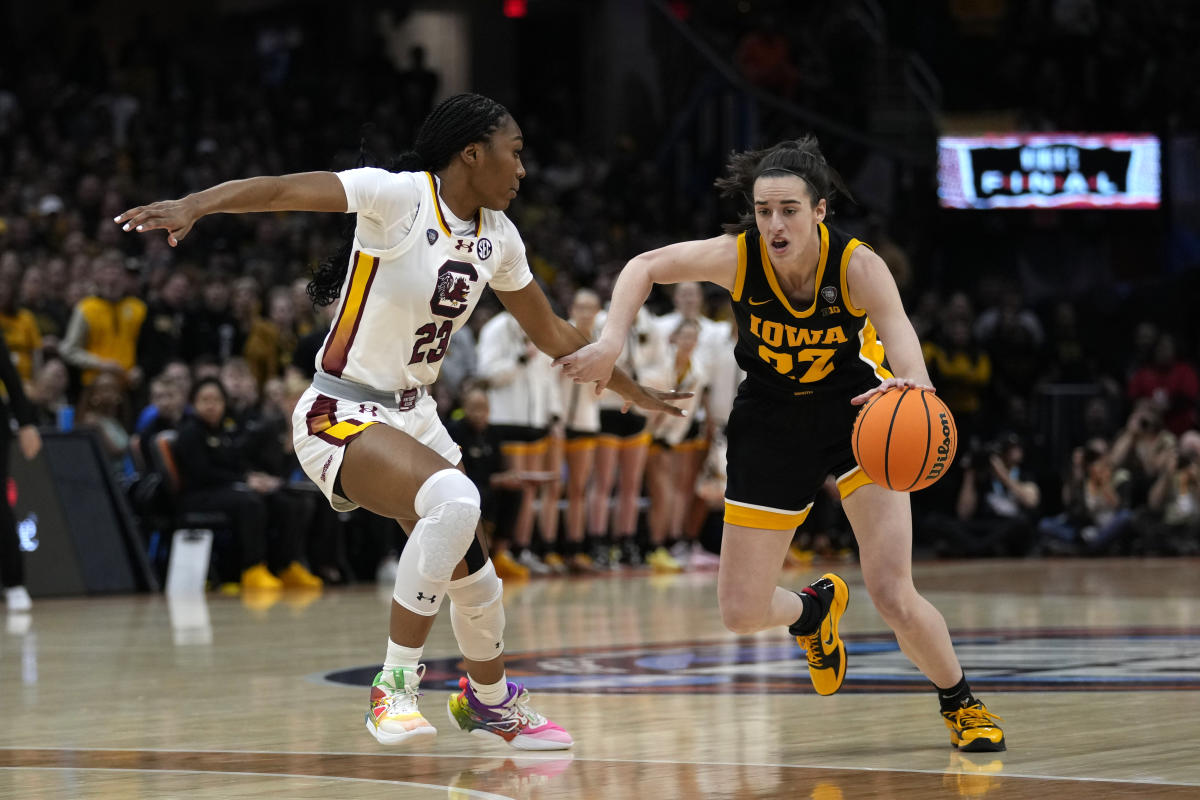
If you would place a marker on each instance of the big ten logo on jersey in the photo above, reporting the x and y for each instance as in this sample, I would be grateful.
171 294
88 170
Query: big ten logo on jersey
802 349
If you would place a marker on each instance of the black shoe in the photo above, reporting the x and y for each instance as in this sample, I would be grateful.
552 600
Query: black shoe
631 554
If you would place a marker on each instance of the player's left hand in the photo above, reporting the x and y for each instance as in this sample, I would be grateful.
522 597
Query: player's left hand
176 217
890 383
654 400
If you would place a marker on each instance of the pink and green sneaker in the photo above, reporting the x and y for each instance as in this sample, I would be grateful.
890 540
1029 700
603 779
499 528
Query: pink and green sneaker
513 720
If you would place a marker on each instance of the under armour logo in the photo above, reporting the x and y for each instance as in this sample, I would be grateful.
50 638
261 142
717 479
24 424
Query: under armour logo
431 598
463 244
363 408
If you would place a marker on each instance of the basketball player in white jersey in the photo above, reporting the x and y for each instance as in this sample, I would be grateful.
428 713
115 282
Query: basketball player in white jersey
428 239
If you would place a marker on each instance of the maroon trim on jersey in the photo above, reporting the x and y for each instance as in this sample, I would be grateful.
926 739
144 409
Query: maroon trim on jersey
322 415
341 335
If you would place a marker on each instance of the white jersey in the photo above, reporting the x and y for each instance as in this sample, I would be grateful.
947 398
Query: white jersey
724 376
694 379
579 403
522 388
415 274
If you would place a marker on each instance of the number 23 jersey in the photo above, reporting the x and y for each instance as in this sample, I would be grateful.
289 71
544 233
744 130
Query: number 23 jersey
416 272
826 347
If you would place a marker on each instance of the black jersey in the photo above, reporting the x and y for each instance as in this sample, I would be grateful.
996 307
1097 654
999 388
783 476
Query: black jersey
829 347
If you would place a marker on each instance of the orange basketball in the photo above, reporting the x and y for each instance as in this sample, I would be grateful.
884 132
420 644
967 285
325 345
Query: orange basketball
904 439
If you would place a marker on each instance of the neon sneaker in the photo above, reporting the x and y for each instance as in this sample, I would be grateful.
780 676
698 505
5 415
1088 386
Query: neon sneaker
297 576
514 720
507 567
826 651
972 729
582 564
556 563
393 717
259 578
661 560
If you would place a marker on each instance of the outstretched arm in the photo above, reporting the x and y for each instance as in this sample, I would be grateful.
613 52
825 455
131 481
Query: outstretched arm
714 260
554 336
303 191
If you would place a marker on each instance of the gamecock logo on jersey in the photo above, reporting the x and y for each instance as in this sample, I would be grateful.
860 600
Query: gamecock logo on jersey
452 291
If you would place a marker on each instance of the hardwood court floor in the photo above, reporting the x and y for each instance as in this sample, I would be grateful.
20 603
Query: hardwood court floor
1095 666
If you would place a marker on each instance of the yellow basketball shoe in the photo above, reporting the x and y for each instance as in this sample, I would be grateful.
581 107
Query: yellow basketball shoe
393 716
972 729
826 651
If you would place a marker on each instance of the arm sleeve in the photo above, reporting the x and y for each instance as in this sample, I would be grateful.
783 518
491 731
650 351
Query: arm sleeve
20 405
386 203
513 273
71 348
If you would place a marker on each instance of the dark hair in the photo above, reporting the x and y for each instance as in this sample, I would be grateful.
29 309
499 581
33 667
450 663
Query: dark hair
455 123
200 384
799 157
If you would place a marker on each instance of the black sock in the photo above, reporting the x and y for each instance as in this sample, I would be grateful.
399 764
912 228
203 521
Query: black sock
957 696
816 606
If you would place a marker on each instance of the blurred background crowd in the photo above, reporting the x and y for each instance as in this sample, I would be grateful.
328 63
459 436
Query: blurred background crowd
1065 342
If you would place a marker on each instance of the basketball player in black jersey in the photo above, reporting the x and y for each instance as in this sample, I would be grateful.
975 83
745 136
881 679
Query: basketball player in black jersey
815 311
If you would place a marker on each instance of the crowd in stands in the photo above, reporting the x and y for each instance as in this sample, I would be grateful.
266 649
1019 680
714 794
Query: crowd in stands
215 340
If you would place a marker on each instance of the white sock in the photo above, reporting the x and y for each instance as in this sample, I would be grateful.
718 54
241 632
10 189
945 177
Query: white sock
492 694
405 658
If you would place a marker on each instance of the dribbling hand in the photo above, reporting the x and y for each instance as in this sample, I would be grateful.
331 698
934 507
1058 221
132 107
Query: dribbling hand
176 217
890 383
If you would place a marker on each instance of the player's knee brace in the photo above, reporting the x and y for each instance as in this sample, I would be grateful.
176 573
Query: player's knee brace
477 613
448 506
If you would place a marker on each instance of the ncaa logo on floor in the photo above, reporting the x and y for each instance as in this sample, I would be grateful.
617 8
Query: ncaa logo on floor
1031 660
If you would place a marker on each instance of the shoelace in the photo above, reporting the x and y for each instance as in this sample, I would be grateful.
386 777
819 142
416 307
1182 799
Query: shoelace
812 645
517 714
975 717
406 693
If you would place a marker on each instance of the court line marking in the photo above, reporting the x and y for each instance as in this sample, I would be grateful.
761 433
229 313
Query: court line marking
534 757
438 786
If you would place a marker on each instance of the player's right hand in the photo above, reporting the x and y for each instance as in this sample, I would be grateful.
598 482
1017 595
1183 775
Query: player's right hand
593 362
176 217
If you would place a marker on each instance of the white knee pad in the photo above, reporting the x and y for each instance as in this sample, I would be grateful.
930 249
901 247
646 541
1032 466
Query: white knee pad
448 504
477 614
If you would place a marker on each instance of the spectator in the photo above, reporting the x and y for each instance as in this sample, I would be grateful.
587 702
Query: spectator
1140 448
1096 498
214 478
43 299
21 333
49 392
103 333
211 331
1170 383
101 408
161 338
1174 501
997 502
961 370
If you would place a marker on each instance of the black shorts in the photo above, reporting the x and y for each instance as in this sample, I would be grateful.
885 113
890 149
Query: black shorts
521 434
623 426
781 449
518 440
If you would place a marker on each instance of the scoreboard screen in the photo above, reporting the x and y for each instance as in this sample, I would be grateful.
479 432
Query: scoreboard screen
1049 170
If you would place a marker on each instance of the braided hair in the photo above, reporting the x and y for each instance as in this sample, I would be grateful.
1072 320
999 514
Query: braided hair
456 122
799 157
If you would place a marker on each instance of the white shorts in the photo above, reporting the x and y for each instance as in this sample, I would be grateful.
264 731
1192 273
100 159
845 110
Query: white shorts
322 426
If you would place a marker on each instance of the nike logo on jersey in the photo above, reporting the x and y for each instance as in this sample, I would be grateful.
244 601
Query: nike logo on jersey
754 302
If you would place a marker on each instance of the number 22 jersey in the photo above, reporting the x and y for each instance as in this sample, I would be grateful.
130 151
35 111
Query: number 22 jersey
416 272
823 348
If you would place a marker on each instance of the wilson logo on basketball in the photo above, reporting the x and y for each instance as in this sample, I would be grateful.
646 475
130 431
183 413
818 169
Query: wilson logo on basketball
943 450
